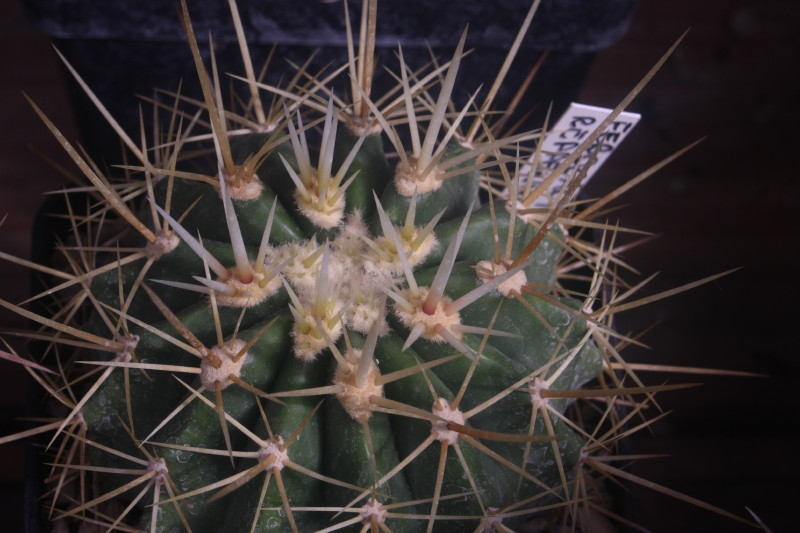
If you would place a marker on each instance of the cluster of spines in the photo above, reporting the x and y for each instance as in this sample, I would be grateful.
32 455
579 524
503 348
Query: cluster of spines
319 309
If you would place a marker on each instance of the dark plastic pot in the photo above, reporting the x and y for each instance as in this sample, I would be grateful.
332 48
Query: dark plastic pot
131 47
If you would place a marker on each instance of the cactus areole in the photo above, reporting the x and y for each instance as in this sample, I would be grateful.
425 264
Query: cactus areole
322 326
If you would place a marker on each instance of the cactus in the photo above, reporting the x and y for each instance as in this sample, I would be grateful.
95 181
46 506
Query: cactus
285 328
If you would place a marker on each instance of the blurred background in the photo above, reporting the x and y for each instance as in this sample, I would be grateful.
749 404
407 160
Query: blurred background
732 201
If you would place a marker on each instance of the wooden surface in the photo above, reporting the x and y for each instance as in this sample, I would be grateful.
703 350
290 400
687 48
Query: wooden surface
731 202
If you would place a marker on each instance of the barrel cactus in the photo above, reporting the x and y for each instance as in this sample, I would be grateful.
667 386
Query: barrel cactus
328 315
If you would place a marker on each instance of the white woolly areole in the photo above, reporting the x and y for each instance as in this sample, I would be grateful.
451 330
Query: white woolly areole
353 398
211 375
243 184
364 307
362 314
129 343
489 523
165 243
375 264
302 277
424 249
160 467
430 322
248 294
325 216
535 388
349 243
439 427
308 340
358 285
373 510
488 270
408 182
274 449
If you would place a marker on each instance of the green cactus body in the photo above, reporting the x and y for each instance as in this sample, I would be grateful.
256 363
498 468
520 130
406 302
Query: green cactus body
331 316
328 291
318 336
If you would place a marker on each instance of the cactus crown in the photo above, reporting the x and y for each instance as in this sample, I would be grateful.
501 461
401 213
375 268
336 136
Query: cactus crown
294 331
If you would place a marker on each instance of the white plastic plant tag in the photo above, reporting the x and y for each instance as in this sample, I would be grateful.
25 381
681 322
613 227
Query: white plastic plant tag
577 123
